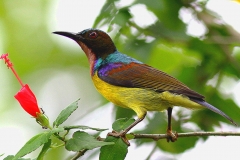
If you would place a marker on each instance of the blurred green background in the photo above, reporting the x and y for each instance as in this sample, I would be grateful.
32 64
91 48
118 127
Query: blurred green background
181 37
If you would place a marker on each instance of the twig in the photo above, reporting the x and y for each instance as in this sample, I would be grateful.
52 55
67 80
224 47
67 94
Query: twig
190 134
79 154
164 136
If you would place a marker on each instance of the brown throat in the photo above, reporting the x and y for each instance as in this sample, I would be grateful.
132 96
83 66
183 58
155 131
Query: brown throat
90 55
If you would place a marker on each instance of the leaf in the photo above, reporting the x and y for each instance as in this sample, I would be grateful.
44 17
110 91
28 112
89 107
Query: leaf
63 116
103 18
122 123
56 130
123 112
83 128
10 157
118 151
82 140
122 17
45 148
34 143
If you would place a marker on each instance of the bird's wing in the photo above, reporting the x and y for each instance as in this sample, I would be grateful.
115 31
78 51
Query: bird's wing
135 75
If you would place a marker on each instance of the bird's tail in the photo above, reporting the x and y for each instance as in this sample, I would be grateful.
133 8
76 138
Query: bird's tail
214 109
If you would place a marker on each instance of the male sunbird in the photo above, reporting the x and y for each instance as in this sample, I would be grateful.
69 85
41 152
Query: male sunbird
129 83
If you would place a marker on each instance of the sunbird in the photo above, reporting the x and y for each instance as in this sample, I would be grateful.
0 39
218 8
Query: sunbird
131 84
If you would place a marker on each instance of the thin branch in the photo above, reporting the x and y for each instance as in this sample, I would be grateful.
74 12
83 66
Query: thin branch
157 137
79 154
189 134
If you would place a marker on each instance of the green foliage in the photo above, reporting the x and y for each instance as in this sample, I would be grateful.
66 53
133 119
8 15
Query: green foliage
118 151
63 116
11 157
37 141
82 140
33 144
44 150
121 124
128 113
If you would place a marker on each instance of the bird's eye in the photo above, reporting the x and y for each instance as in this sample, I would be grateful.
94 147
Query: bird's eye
93 35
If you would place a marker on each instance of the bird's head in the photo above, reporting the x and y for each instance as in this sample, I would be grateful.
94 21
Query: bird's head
92 41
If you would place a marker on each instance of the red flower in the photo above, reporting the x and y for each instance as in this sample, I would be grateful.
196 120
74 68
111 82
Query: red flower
28 101
25 96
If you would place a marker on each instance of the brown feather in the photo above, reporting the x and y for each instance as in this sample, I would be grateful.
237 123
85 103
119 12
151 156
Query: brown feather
135 75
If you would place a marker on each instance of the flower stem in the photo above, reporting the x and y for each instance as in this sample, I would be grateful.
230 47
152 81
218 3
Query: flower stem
14 72
10 65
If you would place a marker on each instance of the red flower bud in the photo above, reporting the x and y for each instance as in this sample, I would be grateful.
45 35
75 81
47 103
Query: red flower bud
28 101
25 96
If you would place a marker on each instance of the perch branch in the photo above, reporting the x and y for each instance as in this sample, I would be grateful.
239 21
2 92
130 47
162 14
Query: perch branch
189 134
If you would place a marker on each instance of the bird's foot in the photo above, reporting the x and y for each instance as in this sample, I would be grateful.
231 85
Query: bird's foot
172 136
121 134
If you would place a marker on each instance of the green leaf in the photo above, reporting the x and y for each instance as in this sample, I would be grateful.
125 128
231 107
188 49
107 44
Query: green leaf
63 116
118 151
122 17
130 136
36 141
56 130
45 148
83 128
82 140
122 123
123 112
104 18
10 157
33 144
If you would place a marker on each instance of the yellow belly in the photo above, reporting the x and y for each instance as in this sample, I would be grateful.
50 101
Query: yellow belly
141 100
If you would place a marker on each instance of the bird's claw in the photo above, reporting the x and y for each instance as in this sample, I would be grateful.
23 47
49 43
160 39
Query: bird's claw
171 136
121 134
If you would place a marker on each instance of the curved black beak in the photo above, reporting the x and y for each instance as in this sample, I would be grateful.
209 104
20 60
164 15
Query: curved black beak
67 34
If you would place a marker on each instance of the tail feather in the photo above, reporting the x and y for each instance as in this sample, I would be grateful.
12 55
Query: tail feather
214 109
